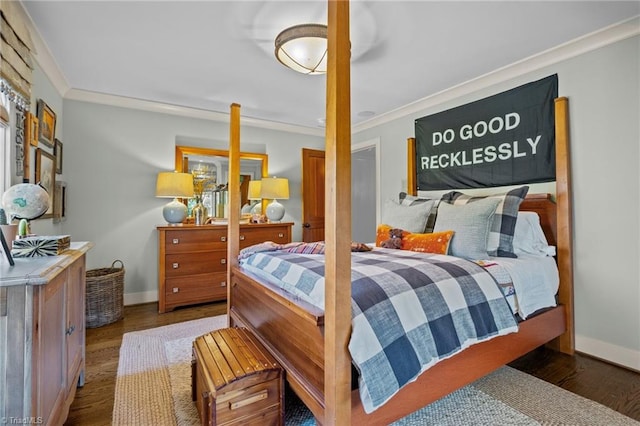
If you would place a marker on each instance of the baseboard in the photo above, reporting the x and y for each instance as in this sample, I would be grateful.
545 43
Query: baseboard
614 354
139 298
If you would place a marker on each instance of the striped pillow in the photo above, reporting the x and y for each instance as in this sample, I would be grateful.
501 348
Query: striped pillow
500 242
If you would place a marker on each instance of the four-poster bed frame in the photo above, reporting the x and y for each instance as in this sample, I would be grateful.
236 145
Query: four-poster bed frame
312 344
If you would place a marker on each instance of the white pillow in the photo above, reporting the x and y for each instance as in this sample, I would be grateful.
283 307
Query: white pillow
529 237
410 218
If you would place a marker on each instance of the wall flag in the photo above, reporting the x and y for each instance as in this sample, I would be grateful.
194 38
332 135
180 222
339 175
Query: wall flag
505 139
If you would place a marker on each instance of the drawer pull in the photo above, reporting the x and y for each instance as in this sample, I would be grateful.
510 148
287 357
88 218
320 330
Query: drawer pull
176 289
253 398
69 331
176 241
223 284
223 239
280 235
241 237
175 265
223 261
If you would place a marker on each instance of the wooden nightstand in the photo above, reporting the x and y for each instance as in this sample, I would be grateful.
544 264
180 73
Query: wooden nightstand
192 260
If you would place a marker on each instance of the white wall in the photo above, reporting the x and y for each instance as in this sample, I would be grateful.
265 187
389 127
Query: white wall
604 95
112 157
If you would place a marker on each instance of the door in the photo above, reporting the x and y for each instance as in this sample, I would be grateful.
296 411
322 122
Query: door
312 195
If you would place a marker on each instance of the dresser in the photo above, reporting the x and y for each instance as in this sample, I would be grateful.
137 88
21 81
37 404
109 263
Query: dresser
192 260
42 336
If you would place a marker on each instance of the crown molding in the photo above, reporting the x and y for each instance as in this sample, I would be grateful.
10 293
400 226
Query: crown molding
606 36
162 108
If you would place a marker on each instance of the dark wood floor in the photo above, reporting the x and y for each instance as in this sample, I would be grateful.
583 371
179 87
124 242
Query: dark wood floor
615 387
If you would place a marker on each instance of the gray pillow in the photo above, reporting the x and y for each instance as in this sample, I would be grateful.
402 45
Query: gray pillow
410 200
410 218
471 224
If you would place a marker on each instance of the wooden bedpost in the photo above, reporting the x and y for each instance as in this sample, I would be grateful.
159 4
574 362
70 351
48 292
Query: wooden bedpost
233 226
337 361
412 177
566 342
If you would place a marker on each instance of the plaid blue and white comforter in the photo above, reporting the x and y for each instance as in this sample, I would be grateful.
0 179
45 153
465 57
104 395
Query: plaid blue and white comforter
409 310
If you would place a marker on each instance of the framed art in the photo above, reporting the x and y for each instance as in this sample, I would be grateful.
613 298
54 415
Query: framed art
46 176
60 202
26 159
57 152
31 130
47 124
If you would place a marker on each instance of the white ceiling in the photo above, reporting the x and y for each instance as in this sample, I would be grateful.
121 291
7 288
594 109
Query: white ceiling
209 54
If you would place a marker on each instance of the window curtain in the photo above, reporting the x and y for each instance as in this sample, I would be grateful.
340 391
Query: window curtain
16 48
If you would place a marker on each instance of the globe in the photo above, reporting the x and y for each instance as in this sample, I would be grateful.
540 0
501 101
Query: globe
25 201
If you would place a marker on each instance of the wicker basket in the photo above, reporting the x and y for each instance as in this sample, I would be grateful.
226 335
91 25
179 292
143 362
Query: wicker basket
104 295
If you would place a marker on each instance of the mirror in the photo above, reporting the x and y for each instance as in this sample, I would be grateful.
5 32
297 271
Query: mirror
210 168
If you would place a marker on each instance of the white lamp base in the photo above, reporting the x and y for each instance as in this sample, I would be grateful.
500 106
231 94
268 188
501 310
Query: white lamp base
175 212
275 211
257 208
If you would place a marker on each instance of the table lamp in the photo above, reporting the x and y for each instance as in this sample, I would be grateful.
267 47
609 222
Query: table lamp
254 195
275 189
174 185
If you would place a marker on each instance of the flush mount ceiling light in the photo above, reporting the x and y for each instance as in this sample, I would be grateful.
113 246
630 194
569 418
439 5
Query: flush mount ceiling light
303 48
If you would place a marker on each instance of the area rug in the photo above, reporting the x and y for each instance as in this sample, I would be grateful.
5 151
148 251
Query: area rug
153 387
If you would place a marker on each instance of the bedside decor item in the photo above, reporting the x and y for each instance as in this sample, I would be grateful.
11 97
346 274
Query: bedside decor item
104 299
25 201
303 48
275 189
40 246
174 185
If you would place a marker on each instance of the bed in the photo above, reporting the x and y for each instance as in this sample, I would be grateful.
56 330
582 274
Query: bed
311 344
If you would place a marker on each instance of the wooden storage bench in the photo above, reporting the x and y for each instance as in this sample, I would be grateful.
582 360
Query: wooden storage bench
235 380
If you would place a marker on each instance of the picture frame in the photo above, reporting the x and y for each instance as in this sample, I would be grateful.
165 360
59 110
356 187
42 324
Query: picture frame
31 130
46 177
26 159
57 152
60 202
47 124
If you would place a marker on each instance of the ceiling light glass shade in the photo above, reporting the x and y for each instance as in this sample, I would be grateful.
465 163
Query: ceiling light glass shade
303 48
174 185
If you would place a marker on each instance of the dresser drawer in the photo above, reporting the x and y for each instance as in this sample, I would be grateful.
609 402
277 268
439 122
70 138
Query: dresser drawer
197 288
195 263
182 241
277 234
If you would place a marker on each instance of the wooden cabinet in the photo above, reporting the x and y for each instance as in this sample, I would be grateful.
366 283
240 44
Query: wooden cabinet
42 327
192 260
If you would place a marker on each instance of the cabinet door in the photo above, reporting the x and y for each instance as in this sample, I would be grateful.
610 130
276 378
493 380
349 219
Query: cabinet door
49 376
75 322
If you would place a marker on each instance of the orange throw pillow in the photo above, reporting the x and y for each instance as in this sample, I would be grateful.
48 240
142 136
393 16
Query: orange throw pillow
436 242
383 234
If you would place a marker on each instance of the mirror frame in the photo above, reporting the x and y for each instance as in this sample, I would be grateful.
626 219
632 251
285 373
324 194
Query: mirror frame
182 150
